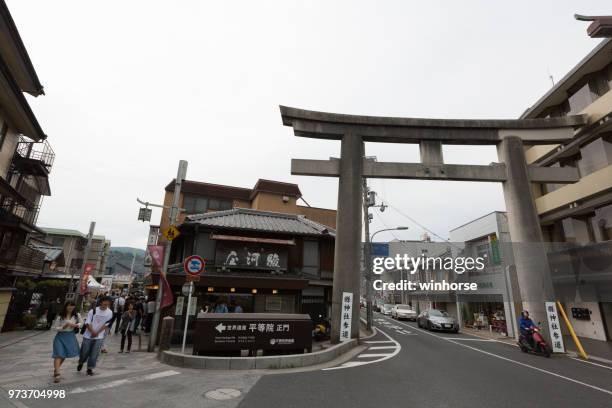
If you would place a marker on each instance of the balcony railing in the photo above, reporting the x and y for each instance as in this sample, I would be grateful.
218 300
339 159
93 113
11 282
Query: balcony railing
18 213
39 151
23 258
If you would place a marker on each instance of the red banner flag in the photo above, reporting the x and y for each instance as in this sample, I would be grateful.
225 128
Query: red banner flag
167 298
85 278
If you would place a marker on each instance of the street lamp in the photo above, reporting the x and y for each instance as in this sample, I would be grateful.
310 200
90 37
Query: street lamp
368 260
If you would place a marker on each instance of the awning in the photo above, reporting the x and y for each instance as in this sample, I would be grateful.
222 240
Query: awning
220 237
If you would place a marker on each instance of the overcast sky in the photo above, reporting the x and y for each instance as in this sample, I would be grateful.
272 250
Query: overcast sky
132 87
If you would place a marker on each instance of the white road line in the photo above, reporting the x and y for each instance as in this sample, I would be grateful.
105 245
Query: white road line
124 381
464 339
371 355
398 348
381 347
518 362
587 362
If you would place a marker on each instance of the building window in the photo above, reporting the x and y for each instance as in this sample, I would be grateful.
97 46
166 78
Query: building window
311 258
199 205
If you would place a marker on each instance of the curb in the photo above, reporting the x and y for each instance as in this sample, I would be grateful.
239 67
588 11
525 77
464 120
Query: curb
252 363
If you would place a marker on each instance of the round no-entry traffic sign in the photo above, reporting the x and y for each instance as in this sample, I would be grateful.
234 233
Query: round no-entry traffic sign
193 265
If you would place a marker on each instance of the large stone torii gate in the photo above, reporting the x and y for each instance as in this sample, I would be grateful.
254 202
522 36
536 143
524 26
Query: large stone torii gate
510 137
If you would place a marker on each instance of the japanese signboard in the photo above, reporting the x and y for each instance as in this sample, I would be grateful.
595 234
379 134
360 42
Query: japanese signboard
144 214
554 326
107 281
252 331
251 256
180 300
347 316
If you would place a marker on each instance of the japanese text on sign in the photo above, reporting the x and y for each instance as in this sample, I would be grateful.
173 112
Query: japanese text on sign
346 317
555 327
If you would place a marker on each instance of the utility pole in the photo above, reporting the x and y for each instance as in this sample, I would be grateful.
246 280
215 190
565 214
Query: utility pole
367 255
132 270
173 214
92 227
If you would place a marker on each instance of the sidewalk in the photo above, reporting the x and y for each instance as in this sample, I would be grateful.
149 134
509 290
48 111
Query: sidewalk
595 349
26 360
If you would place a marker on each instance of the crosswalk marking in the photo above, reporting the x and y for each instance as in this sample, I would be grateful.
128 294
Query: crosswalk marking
381 347
371 355
379 341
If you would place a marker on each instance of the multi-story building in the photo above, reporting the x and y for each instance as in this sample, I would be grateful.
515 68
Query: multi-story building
25 161
267 195
73 244
578 217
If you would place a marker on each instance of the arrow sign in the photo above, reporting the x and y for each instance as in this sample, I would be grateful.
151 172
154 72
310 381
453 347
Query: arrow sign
220 327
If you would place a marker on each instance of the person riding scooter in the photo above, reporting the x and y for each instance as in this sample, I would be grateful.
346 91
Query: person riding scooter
526 325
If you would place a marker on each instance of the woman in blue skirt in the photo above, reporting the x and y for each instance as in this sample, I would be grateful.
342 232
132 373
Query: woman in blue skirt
65 344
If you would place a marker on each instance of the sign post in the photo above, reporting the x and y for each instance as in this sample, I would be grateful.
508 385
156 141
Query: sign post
554 325
347 313
187 316
193 266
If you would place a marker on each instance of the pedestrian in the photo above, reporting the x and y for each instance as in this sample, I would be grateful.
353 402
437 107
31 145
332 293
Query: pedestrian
65 344
118 306
221 307
150 312
128 326
139 307
96 324
238 309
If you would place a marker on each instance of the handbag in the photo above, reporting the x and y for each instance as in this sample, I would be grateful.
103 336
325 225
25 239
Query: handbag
85 328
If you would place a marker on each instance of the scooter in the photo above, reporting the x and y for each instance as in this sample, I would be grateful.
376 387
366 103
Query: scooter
539 344
321 330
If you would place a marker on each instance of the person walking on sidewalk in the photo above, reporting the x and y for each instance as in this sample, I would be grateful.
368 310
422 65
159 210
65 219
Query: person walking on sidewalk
65 344
96 324
128 326
118 305
150 312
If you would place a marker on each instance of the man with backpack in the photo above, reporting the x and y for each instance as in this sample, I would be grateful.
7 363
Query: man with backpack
96 323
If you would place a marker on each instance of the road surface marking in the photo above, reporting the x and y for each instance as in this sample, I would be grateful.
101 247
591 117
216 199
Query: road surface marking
519 363
371 355
381 347
464 339
590 362
348 364
125 381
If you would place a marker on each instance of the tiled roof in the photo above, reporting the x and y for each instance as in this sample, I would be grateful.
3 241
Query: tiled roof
254 220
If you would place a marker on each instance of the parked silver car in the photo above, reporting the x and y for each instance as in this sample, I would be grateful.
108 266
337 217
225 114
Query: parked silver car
403 312
434 319
386 309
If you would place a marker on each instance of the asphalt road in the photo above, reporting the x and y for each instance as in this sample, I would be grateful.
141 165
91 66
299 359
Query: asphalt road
440 370
402 366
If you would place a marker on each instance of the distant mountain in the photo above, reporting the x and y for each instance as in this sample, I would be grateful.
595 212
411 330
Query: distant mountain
120 260
129 250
